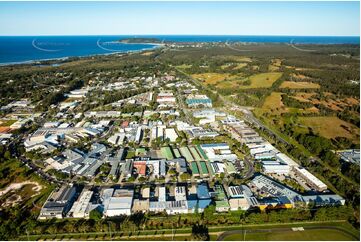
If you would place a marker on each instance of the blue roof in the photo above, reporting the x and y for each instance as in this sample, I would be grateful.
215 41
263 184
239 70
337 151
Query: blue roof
202 191
204 203
198 101
214 145
192 203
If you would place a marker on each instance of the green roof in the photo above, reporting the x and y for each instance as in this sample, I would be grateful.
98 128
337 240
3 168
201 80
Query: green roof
201 151
204 168
176 153
167 153
221 196
186 154
194 168
195 154
223 203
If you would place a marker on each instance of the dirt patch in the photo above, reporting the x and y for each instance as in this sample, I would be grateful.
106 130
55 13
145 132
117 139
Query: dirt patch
4 129
299 85
352 101
16 186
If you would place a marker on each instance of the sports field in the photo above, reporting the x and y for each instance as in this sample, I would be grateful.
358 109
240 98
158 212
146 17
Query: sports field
309 235
299 85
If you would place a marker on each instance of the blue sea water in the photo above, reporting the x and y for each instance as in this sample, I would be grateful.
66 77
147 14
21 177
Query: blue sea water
18 49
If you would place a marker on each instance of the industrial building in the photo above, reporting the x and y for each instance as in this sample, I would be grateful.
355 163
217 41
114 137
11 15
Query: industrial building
310 179
119 202
198 100
58 203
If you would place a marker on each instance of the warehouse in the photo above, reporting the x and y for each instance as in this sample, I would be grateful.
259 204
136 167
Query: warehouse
170 134
276 169
217 167
204 198
218 152
241 197
186 154
220 198
167 153
198 100
120 203
58 203
310 179
285 159
80 207
324 200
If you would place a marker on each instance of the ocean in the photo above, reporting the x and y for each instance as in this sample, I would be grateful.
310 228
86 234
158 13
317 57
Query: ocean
20 49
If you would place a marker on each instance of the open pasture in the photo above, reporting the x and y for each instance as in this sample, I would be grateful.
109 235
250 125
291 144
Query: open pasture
299 85
331 127
211 78
262 80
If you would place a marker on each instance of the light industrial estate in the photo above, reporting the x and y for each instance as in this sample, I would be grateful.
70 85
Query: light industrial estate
175 154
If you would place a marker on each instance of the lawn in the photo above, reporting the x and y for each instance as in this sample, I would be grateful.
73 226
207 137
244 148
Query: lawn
211 78
299 85
331 127
263 80
309 235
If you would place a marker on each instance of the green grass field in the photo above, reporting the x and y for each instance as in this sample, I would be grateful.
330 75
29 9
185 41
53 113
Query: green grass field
309 235
263 80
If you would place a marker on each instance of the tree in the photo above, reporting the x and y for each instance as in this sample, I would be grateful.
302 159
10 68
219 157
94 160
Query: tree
200 232
7 155
95 214
209 211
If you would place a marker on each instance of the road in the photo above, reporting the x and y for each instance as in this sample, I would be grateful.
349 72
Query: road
250 172
248 231
248 115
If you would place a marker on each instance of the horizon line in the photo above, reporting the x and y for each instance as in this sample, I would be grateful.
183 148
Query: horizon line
135 35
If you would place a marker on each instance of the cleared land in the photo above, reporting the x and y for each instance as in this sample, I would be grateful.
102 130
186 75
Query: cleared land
263 80
234 66
309 235
303 96
299 85
234 58
331 127
211 78
4 129
275 65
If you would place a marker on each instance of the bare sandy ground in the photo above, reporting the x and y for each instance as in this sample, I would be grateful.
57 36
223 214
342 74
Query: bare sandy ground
16 186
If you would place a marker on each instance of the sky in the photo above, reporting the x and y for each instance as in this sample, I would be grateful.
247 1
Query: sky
180 18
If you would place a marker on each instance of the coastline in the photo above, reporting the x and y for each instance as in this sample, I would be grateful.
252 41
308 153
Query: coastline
29 62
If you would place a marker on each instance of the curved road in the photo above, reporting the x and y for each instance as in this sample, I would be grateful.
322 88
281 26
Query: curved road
228 233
